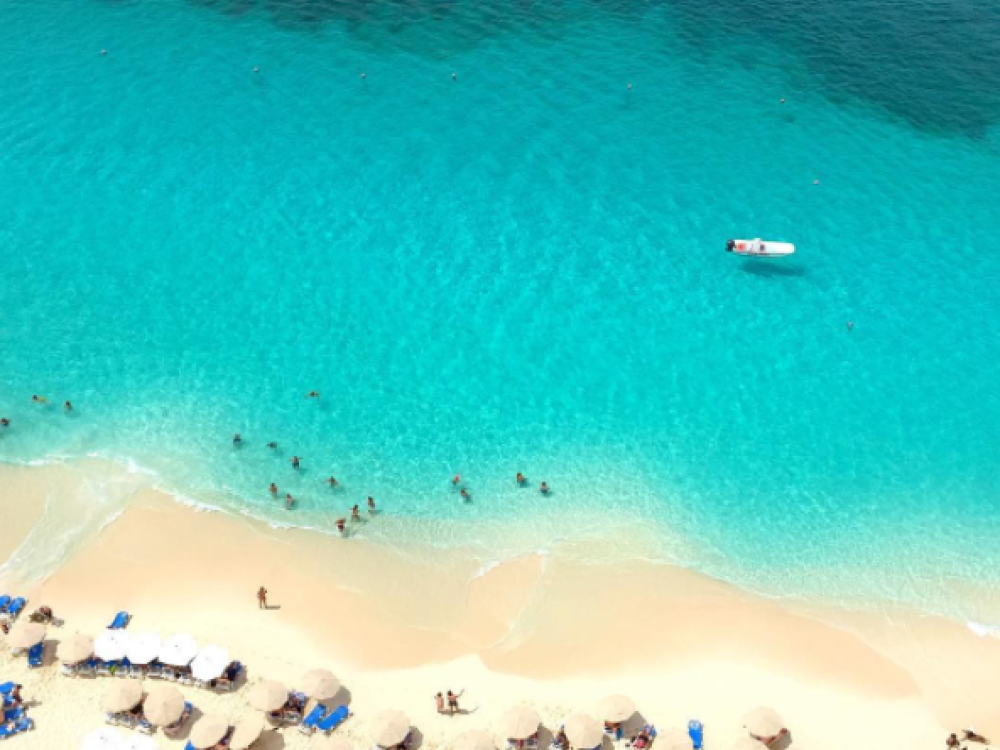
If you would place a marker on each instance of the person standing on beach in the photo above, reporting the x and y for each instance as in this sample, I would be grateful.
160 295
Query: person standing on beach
262 598
453 702
439 701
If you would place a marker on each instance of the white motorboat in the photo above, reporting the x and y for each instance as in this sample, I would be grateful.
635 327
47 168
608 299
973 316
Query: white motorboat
758 248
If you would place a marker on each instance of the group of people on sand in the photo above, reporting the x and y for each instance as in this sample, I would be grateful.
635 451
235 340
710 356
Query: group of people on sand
968 735
452 703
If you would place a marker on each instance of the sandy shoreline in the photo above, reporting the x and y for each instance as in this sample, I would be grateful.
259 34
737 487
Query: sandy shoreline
398 625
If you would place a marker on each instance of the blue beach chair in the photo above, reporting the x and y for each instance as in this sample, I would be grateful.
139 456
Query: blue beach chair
13 714
120 621
35 654
21 725
308 725
189 746
334 720
16 607
6 688
4 601
697 733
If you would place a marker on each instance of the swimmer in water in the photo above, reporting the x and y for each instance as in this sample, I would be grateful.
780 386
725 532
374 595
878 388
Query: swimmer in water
457 480
341 524
67 407
295 462
521 478
6 423
544 488
272 445
312 394
850 325
39 399
355 514
289 500
237 439
371 505
465 494
273 489
332 481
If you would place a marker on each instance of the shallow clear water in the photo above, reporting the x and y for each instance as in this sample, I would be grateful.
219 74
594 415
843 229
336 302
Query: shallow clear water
522 268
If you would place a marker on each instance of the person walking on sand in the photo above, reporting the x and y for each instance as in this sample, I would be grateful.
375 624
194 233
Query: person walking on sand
453 702
439 701
262 598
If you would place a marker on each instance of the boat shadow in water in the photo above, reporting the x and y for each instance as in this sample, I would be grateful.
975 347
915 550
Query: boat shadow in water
771 269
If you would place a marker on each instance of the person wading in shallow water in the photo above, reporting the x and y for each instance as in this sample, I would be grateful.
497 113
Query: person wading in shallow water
262 598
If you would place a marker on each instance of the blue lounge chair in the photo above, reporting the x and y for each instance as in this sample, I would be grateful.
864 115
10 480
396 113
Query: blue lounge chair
189 746
35 654
697 733
4 601
13 714
6 688
334 720
16 607
22 725
120 621
308 725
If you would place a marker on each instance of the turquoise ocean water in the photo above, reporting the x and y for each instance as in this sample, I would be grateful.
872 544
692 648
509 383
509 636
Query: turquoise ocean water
521 267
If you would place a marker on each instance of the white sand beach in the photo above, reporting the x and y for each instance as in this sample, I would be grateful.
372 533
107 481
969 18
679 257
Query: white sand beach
399 625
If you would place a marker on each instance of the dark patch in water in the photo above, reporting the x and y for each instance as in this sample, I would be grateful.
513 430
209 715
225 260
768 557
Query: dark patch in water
772 269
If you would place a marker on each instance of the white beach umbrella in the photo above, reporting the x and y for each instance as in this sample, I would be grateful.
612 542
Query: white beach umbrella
520 722
140 742
179 650
123 695
320 684
616 708
584 732
75 649
389 728
164 705
104 738
474 739
208 731
26 634
247 731
763 722
210 663
267 695
673 739
747 743
142 648
335 743
110 645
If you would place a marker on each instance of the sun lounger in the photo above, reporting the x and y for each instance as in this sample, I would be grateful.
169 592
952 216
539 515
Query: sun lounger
35 655
4 601
6 688
173 729
531 742
136 671
334 720
308 725
104 668
189 746
123 668
21 725
68 670
145 727
120 621
155 671
87 669
16 607
13 714
697 733
169 673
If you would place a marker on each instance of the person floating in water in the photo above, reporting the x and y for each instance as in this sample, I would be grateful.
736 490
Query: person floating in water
457 480
289 500
355 514
237 439
272 445
295 462
850 325
6 423
332 481
371 505
39 399
544 488
465 494
521 479
273 489
312 394
68 407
